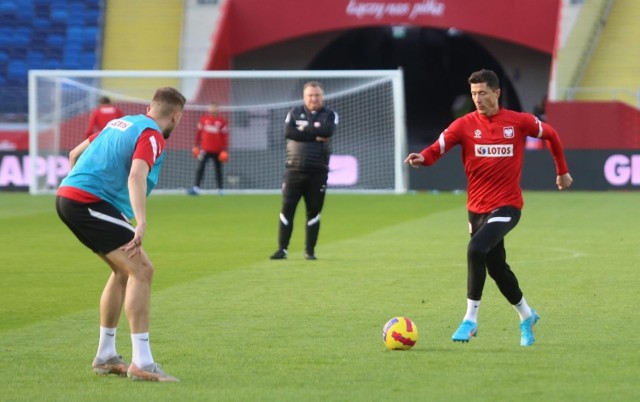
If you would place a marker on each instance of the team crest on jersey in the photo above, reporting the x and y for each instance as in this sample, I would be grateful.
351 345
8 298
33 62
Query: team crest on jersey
508 132
477 134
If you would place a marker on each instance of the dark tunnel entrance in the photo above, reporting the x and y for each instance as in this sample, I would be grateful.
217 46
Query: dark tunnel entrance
436 64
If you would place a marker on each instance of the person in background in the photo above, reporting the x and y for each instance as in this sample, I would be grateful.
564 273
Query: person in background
212 143
308 130
101 115
493 142
112 173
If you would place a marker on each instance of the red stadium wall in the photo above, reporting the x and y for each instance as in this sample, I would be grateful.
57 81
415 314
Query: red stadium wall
595 125
246 25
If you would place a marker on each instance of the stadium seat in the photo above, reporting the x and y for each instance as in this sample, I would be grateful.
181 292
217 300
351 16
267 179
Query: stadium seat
35 59
59 15
24 13
55 40
8 9
6 37
17 70
88 60
22 36
54 53
52 64
44 34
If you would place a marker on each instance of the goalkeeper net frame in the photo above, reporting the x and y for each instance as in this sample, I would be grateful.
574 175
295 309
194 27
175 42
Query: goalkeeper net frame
367 149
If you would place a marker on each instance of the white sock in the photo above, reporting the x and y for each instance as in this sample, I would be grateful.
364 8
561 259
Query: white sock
107 343
141 350
523 309
472 310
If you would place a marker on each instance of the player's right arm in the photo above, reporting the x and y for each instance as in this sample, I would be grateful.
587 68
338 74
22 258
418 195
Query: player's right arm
78 150
428 156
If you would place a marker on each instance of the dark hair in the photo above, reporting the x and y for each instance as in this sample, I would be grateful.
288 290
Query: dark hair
168 99
485 76
104 100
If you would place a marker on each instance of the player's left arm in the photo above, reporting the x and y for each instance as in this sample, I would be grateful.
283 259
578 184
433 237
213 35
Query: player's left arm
138 195
550 135
224 130
148 149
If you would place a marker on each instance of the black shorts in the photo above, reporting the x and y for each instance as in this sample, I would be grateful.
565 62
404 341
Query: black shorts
98 225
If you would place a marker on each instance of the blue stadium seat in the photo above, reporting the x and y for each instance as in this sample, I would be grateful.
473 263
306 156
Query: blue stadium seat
92 17
75 34
52 64
17 70
22 36
41 24
54 53
90 34
55 40
35 59
8 8
25 13
71 64
6 37
59 15
17 52
88 60
44 34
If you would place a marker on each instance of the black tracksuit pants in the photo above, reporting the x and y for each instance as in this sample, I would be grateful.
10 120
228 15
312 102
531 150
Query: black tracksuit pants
309 185
486 253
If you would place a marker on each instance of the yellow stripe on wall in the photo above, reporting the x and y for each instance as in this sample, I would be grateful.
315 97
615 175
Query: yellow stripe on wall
142 35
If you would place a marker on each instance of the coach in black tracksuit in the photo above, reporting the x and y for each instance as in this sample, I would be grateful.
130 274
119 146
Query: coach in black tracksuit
308 130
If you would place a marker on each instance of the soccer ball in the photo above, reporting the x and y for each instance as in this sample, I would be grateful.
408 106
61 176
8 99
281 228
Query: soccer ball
400 333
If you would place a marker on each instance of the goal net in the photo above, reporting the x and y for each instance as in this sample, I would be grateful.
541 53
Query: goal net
367 148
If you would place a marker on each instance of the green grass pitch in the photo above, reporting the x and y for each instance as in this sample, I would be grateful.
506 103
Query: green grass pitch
235 326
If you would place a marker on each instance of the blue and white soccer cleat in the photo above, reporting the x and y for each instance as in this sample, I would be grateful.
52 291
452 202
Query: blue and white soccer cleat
526 329
466 330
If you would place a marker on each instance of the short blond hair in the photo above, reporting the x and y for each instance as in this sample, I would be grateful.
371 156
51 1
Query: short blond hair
168 100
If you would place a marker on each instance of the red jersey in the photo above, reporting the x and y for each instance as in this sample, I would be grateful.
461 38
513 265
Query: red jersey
492 154
213 134
100 116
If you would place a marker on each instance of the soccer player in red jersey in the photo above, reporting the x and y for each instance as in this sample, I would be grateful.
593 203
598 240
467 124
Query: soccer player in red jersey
103 114
212 142
493 143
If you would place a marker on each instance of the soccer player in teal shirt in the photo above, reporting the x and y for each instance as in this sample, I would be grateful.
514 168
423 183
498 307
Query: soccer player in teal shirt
112 173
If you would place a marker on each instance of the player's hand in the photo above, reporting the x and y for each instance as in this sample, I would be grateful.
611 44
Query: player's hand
196 152
223 157
415 160
134 247
564 181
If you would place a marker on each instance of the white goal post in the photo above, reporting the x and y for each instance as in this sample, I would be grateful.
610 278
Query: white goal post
367 149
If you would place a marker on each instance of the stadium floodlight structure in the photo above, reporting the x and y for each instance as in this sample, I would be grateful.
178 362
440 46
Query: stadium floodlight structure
367 149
